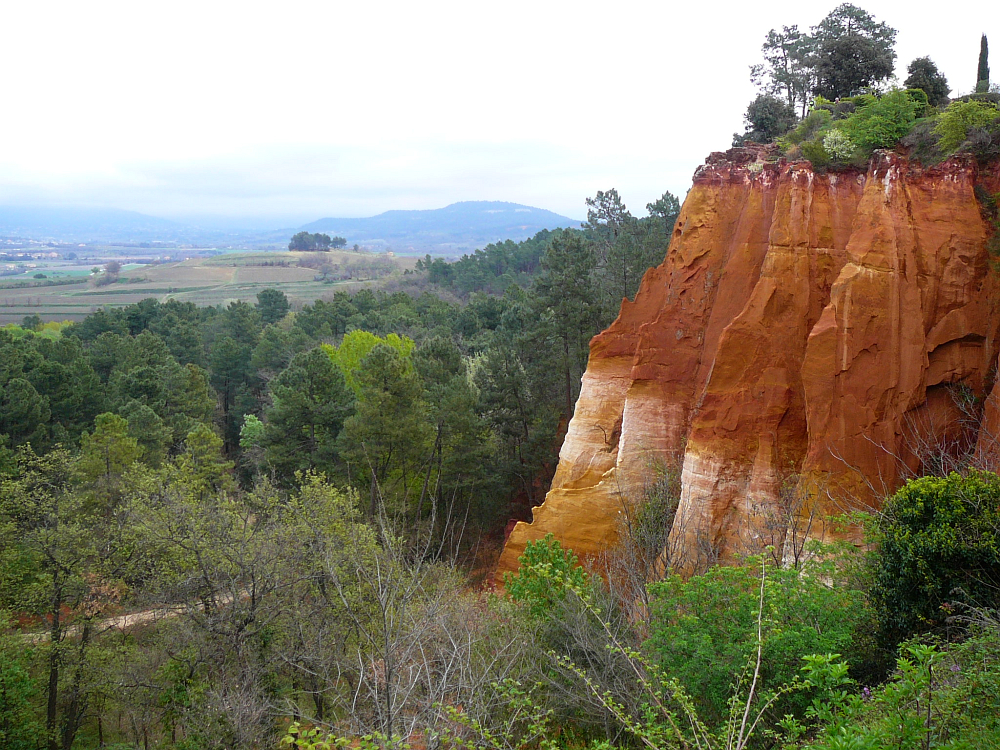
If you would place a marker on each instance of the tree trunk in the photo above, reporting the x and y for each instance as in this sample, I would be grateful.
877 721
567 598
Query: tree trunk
55 636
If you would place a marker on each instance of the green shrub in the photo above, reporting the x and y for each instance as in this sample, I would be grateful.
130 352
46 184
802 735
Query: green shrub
919 97
984 142
935 699
547 574
938 546
838 110
811 124
704 629
839 145
921 142
815 152
959 119
882 122
766 118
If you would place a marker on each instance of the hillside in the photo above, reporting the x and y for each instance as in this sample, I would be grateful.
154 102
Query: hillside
463 226
83 224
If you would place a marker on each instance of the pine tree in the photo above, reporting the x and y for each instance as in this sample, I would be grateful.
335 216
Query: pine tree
983 75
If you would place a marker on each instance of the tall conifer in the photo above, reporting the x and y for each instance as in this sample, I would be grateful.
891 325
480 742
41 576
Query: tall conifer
983 74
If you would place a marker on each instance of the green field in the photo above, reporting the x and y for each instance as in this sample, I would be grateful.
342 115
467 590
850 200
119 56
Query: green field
205 281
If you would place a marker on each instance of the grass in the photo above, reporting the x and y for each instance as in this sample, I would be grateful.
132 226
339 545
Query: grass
218 280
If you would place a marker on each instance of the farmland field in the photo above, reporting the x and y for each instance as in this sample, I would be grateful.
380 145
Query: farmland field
216 280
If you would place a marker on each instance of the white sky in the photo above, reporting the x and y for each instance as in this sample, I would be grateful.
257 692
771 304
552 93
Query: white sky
295 110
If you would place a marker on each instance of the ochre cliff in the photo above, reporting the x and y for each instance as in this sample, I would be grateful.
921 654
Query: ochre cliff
809 341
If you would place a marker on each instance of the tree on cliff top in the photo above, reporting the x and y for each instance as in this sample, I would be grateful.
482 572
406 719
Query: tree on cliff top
924 75
847 52
766 119
983 73
853 52
787 69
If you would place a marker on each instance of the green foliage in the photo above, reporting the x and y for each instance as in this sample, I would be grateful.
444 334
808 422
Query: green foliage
787 69
566 291
853 52
273 305
202 460
107 454
815 151
813 123
961 117
767 118
251 433
938 543
357 345
311 400
31 323
19 725
704 629
923 74
882 122
983 69
935 699
839 145
666 208
388 434
492 269
323 242
147 428
546 575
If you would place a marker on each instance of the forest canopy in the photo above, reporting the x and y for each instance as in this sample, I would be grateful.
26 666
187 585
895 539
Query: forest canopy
262 525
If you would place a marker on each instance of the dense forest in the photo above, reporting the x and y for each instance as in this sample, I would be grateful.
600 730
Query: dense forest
256 527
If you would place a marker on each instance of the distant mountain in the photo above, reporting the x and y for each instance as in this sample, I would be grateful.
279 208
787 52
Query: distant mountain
455 229
76 224
459 226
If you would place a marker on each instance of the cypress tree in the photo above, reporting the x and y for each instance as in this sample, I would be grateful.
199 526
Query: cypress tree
983 79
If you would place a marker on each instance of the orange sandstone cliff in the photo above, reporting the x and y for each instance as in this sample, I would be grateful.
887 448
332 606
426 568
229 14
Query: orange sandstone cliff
809 341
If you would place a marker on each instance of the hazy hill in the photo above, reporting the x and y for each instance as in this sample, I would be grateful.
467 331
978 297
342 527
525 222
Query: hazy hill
455 229
460 225
76 224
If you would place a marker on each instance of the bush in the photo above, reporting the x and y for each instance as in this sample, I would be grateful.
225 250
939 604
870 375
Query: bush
936 699
938 547
766 118
984 142
959 119
704 629
811 124
839 145
815 152
547 574
881 123
921 141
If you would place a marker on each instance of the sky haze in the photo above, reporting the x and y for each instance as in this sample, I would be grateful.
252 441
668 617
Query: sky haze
283 113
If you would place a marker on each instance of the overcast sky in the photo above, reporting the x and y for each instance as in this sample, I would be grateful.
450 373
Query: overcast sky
289 111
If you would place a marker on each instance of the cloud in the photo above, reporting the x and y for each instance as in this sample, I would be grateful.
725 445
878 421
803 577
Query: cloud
304 182
312 109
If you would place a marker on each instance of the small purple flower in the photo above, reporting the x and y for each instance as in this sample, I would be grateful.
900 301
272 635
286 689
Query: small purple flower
866 694
955 668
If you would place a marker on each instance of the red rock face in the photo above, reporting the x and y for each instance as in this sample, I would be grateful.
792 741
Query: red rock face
809 341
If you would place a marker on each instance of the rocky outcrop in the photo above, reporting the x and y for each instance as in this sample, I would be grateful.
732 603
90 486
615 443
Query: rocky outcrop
809 341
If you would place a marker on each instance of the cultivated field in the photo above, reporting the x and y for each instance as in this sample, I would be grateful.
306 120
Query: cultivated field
205 281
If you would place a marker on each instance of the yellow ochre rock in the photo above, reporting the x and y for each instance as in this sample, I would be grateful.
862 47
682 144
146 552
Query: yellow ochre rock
810 340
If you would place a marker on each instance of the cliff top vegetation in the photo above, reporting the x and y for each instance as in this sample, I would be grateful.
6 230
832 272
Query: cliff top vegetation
829 96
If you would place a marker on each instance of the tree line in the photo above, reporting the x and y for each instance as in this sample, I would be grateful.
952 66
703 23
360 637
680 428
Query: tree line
315 241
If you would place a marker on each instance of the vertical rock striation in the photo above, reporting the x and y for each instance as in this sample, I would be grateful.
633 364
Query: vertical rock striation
808 341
